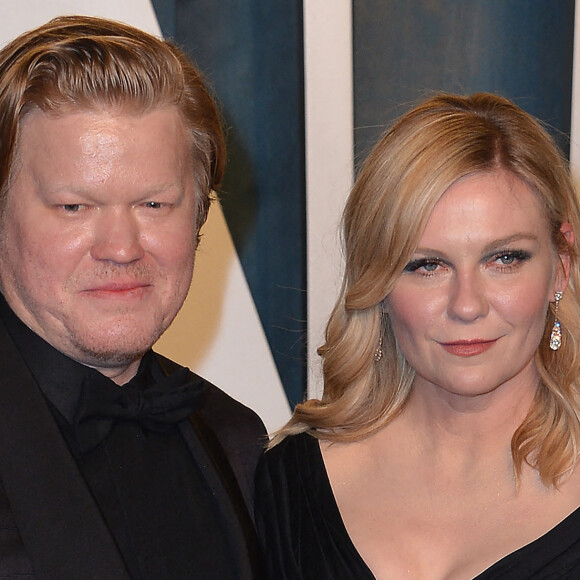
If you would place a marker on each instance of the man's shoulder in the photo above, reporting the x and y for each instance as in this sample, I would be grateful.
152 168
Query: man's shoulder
217 408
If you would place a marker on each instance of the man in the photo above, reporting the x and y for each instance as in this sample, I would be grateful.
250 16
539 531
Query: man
115 463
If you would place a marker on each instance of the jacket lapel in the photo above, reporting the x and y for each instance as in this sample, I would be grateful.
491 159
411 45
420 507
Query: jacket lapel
213 463
212 460
62 529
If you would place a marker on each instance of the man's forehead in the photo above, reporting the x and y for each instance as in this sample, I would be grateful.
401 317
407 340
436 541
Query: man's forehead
88 120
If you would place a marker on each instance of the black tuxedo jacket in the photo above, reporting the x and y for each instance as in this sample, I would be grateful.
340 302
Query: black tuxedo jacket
50 526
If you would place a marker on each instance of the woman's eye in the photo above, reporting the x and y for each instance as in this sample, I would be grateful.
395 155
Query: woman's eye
423 265
511 258
507 259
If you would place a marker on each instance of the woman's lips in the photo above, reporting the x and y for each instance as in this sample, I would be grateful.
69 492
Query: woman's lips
468 347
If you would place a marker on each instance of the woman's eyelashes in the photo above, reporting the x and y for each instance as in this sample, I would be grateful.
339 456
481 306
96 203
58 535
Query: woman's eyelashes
504 260
425 266
510 259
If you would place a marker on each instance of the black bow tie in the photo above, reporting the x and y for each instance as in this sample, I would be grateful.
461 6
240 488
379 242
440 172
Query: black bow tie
156 407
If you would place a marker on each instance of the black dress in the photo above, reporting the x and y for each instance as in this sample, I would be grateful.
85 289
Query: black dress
304 537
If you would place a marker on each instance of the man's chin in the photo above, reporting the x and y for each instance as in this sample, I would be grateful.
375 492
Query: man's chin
108 354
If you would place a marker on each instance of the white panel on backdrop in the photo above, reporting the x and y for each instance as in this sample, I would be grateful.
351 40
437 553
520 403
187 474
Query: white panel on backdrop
218 334
23 15
329 157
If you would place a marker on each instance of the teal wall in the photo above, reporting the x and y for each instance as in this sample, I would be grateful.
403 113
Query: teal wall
251 52
404 49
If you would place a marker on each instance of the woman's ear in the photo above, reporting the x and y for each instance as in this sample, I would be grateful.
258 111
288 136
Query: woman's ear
563 274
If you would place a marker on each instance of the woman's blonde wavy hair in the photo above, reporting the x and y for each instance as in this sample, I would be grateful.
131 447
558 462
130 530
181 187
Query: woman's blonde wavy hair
440 141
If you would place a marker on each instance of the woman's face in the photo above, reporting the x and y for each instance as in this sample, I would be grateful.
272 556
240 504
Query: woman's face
470 309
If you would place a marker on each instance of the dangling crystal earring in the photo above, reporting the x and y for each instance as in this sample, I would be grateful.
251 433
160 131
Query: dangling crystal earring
379 350
378 356
556 336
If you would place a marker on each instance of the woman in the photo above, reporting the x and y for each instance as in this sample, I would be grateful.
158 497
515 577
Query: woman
446 443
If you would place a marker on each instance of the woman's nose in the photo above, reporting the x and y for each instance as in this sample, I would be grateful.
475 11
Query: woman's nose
467 300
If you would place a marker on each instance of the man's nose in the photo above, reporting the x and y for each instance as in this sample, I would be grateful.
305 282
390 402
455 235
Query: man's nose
117 237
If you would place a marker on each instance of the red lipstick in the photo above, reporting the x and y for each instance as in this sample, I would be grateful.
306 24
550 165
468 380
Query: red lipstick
468 347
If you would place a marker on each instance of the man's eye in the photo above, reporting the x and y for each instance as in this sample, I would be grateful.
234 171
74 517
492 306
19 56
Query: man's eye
71 207
154 204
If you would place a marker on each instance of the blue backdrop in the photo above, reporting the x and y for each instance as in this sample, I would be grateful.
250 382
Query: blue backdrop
521 49
251 52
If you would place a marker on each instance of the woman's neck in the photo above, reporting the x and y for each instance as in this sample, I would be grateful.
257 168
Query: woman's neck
461 434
